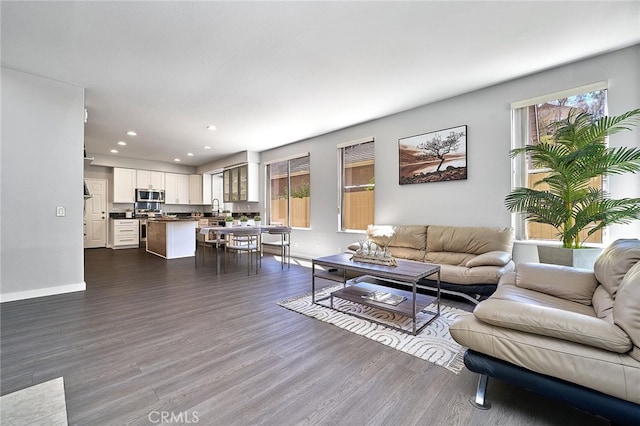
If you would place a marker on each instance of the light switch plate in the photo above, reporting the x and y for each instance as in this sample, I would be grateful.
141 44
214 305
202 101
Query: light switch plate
61 211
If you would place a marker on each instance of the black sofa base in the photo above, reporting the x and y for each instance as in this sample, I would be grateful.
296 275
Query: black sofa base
611 408
474 293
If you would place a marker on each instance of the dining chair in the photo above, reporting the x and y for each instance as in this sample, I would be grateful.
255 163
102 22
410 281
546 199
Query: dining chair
244 240
211 240
283 244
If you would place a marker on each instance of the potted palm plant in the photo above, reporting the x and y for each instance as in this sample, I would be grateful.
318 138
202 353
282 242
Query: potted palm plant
576 154
244 220
228 221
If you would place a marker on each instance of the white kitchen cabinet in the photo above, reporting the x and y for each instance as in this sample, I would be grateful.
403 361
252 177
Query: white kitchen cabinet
149 179
200 189
124 185
176 189
125 233
207 190
195 189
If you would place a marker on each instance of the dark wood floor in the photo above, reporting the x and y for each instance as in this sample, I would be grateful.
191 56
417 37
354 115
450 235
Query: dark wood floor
152 336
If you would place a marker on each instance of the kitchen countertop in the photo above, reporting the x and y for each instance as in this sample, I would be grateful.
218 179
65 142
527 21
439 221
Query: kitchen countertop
172 219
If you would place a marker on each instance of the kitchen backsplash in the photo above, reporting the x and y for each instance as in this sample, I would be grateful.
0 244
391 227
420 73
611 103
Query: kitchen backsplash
181 208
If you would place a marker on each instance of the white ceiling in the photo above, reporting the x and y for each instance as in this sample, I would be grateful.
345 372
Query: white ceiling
271 73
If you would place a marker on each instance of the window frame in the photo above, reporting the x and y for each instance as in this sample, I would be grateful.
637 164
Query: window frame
268 188
520 136
341 182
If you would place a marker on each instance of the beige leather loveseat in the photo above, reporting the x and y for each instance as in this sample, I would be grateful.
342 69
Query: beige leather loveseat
569 333
472 259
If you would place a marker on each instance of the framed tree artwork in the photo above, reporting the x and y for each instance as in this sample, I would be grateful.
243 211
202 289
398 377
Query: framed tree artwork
434 157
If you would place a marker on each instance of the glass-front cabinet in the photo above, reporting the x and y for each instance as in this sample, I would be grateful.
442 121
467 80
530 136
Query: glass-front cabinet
241 183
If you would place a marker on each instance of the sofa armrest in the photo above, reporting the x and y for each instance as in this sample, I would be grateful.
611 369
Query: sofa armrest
491 258
565 282
545 321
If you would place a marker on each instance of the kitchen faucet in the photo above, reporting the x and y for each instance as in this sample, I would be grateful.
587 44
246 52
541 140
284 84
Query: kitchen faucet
215 206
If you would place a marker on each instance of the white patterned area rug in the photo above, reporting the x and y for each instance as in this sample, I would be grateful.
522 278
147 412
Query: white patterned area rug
433 344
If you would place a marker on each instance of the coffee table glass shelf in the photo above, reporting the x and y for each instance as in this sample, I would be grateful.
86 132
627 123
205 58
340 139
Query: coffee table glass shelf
382 279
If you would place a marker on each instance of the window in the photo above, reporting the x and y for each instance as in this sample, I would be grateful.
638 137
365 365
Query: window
530 123
290 192
357 184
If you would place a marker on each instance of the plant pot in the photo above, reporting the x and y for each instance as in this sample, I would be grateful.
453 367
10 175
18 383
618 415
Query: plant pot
258 222
578 258
228 224
244 223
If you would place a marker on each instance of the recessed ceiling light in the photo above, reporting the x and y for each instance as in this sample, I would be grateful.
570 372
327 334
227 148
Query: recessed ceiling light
132 133
189 154
211 127
176 160
207 147
114 151
122 143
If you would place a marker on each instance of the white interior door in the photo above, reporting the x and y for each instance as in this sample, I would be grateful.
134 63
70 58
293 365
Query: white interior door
95 214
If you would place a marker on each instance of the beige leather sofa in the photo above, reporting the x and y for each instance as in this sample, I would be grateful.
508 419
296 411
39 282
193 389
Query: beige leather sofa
472 259
575 331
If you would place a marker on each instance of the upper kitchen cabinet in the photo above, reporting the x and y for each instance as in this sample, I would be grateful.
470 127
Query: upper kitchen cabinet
124 185
195 189
200 189
147 179
241 183
176 189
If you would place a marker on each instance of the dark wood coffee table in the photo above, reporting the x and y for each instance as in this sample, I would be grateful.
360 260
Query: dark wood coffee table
374 277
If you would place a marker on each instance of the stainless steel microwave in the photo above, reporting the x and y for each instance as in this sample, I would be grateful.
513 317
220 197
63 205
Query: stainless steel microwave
149 196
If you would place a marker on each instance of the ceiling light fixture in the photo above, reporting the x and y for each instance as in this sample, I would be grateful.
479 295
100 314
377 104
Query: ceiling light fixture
207 147
114 151
122 143
132 133
189 154
211 127
177 160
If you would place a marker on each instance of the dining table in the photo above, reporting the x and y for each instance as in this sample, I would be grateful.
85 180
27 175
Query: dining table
220 234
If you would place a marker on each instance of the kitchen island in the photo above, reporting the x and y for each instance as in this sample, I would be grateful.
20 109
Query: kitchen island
171 238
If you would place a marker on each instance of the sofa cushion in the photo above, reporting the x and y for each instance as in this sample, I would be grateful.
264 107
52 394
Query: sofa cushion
577 285
448 258
467 276
614 262
603 304
490 258
403 241
626 309
553 322
472 240
506 291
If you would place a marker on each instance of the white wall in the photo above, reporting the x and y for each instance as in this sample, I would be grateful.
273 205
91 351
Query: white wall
479 200
42 151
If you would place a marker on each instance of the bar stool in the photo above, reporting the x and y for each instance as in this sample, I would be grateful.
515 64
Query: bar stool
284 243
244 240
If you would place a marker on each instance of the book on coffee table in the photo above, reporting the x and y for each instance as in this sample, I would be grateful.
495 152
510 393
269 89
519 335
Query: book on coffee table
382 297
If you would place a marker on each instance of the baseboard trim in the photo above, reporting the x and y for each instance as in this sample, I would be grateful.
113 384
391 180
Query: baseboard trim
42 292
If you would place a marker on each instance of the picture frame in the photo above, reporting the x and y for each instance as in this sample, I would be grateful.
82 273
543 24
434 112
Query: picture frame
437 156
